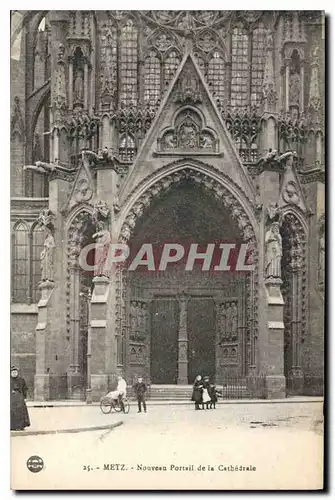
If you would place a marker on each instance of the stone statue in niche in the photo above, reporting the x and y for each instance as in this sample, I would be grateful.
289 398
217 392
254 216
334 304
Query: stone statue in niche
273 252
187 135
47 256
295 89
103 241
79 85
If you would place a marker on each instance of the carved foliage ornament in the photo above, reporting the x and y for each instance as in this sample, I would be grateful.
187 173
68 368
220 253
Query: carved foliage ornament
221 193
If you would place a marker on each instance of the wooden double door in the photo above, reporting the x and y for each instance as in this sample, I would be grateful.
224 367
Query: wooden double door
182 339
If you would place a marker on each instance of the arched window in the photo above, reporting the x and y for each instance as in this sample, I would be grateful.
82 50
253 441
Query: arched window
257 65
216 75
37 247
172 62
152 79
239 68
128 63
127 149
20 260
42 54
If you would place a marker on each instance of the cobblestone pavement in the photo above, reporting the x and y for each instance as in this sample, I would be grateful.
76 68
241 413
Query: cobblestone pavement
282 441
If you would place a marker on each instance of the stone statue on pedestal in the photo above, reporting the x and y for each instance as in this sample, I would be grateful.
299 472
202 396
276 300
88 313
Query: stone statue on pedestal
103 241
273 252
47 256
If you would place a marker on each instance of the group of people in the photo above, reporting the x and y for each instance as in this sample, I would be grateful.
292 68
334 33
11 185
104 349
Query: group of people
204 393
204 396
120 393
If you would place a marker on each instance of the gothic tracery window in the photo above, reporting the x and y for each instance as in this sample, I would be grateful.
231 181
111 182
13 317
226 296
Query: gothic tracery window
171 64
216 75
257 65
152 79
20 261
239 64
128 64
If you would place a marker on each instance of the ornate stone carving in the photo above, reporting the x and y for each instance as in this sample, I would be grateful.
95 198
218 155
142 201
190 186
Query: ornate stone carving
83 191
291 193
188 88
139 316
101 212
16 122
227 322
188 134
274 213
76 236
220 192
103 241
295 89
273 252
47 256
59 90
269 84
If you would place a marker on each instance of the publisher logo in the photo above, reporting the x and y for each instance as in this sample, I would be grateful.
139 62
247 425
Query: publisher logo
35 463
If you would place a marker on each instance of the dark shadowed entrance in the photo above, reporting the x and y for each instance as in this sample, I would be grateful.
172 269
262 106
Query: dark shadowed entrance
181 323
201 337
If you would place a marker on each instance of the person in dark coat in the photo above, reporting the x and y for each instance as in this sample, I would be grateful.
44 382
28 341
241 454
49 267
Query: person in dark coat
19 418
197 392
213 393
140 389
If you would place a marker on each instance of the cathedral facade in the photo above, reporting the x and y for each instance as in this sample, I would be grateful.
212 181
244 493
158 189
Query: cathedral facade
160 128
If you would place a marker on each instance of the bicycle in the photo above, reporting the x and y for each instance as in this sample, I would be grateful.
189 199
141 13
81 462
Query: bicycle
107 404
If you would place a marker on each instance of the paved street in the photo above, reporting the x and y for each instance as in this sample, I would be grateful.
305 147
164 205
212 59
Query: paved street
282 441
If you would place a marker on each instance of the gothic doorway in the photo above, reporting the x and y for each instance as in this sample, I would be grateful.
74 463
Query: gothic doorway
177 322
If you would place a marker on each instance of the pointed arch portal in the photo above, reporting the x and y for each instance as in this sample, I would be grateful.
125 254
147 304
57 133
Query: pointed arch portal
179 322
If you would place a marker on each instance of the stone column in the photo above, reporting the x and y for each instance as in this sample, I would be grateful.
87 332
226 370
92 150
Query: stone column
103 352
51 340
86 85
103 306
271 338
70 83
182 341
295 374
42 375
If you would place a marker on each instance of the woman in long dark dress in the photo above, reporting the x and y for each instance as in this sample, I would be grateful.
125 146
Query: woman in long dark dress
19 418
197 392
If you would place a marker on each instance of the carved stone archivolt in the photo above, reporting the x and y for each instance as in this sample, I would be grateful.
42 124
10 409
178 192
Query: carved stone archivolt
219 191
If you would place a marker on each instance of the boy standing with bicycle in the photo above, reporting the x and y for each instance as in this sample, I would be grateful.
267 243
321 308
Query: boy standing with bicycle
140 389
